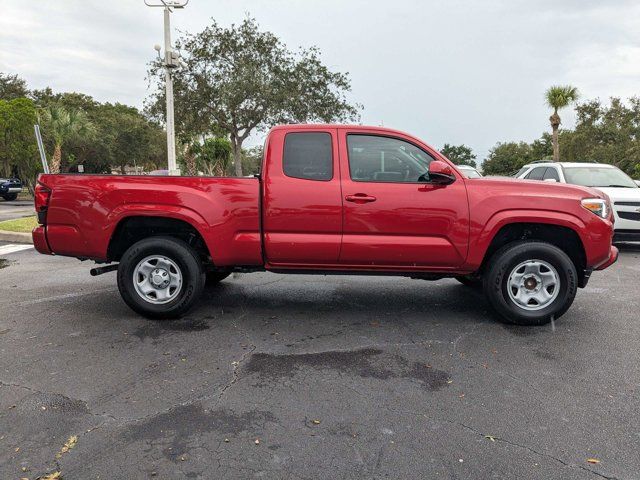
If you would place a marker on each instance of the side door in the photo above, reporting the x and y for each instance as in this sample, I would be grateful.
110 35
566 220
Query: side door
393 215
302 199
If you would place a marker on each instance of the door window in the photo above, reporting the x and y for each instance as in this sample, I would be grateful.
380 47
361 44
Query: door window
375 158
308 155
551 173
536 174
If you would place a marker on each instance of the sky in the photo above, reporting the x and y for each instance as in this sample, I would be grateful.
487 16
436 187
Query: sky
459 72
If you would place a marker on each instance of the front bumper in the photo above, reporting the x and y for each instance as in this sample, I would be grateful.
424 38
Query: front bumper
613 257
14 190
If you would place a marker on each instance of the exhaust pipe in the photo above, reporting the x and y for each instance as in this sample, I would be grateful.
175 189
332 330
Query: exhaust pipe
100 270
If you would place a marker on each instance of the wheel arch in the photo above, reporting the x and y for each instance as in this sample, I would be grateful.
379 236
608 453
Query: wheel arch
562 236
135 227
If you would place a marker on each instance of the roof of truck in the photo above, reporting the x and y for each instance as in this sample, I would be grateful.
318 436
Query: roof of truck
324 126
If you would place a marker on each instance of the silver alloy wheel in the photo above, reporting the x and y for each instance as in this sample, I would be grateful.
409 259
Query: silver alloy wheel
533 285
157 279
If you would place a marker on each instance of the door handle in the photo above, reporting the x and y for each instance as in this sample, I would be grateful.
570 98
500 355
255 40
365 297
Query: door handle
360 198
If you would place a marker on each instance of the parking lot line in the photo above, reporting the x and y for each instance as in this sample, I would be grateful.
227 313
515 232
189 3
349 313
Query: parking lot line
13 247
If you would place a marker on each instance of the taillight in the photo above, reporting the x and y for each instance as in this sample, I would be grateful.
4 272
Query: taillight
41 199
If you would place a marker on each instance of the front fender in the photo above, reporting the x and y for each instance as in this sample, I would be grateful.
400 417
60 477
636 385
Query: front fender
484 234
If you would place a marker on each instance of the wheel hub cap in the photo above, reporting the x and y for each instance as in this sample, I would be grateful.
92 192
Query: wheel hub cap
533 285
157 279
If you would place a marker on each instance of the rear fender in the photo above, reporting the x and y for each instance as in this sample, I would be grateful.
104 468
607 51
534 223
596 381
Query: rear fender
187 215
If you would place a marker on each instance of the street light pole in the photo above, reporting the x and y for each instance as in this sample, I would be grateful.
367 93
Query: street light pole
171 133
171 61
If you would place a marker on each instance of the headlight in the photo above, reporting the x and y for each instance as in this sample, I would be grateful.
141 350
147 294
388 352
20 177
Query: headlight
597 206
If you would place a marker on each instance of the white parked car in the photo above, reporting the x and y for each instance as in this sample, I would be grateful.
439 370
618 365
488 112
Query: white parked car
621 189
468 171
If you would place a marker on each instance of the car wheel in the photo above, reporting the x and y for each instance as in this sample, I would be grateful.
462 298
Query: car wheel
160 277
530 283
472 281
10 197
214 278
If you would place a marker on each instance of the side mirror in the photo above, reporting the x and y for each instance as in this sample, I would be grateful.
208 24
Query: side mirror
441 173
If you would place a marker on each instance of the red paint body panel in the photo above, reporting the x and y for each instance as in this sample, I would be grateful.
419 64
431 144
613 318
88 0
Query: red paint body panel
320 225
302 219
84 211
408 224
40 240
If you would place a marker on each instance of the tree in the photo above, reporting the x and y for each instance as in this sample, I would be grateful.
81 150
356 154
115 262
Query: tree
214 156
241 79
12 87
605 133
459 154
61 125
507 158
17 142
558 97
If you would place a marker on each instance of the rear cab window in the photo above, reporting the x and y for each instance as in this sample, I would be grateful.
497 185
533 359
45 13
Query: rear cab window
308 156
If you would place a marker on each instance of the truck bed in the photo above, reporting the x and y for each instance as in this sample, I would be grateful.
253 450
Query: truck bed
85 211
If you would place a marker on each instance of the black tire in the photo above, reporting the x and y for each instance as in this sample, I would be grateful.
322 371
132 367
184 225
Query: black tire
10 197
180 254
505 260
472 281
214 278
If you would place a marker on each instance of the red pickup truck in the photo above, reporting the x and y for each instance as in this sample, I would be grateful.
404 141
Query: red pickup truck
333 199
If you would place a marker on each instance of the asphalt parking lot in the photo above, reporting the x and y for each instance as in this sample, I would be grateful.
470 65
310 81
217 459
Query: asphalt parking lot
314 377
15 209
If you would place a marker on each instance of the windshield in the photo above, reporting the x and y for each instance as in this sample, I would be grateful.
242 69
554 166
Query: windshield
598 177
470 172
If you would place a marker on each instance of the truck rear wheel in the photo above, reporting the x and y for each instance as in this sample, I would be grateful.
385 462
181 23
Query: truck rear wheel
160 277
529 283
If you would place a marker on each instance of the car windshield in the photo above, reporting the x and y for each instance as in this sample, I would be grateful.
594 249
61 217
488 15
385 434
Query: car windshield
598 177
470 173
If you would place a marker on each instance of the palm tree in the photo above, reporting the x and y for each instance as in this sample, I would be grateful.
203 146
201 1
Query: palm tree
559 97
63 124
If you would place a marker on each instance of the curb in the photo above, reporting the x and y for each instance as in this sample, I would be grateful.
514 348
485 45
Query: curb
15 237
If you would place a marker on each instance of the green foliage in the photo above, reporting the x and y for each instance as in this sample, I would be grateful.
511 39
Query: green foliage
119 136
459 154
605 133
61 123
558 96
252 160
507 158
214 156
12 87
18 154
241 79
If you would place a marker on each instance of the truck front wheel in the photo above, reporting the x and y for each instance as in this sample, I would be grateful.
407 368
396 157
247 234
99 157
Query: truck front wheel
160 277
530 283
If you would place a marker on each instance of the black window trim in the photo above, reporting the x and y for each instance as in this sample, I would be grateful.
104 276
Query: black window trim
365 134
333 170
